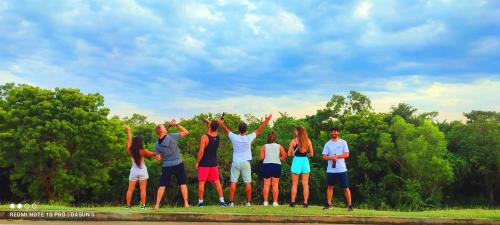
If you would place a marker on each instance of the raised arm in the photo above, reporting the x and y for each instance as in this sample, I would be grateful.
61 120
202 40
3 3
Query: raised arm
203 144
129 136
262 152
183 130
263 125
224 127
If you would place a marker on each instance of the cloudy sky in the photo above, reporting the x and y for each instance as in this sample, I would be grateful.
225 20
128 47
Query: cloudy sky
173 59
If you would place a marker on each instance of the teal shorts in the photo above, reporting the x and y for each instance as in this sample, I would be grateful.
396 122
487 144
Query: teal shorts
300 165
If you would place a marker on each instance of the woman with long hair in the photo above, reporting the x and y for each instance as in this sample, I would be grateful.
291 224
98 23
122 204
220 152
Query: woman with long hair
271 167
300 148
138 171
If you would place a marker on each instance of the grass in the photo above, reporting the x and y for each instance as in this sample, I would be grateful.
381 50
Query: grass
285 210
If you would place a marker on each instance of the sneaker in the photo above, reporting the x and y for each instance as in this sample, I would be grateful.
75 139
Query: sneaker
127 206
305 205
200 205
266 203
292 204
231 204
275 204
327 207
349 208
248 204
143 206
222 204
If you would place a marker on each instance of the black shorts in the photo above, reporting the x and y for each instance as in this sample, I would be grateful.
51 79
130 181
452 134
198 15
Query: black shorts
334 178
167 172
271 170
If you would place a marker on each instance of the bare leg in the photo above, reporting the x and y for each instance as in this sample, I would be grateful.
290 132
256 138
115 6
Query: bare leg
143 184
159 195
267 183
275 182
184 191
329 195
218 187
201 189
347 193
295 181
248 188
305 186
130 191
232 189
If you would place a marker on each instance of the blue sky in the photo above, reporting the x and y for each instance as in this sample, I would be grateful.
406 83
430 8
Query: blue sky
173 59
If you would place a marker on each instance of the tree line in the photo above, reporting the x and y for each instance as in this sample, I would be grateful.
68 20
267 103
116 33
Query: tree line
62 146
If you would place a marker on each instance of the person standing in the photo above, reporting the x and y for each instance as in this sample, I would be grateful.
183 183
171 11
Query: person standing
271 166
206 163
167 147
300 148
242 154
138 171
335 152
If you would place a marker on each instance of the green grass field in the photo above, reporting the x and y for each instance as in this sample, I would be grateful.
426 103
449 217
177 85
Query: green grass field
285 210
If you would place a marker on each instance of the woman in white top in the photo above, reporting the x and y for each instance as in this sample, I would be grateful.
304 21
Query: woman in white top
138 171
271 167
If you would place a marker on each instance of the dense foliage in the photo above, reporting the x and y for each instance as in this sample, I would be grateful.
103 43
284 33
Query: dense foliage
61 146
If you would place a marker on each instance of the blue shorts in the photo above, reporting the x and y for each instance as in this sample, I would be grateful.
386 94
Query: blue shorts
334 178
271 170
300 165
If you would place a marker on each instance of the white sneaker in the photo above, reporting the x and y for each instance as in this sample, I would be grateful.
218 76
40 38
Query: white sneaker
248 204
266 203
275 204
231 204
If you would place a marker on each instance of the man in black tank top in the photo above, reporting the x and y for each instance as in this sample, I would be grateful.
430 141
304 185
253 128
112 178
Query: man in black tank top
206 163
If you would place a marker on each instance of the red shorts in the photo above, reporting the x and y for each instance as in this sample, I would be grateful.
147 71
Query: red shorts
208 173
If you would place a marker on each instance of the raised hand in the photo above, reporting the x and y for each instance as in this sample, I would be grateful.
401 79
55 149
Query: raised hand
268 117
172 123
126 126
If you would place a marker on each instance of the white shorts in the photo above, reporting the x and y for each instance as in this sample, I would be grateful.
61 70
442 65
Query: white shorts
138 173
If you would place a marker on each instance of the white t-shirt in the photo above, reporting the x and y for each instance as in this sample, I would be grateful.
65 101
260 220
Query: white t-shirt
242 146
336 148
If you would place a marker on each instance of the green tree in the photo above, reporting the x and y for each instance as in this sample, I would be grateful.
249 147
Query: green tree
57 143
478 143
418 157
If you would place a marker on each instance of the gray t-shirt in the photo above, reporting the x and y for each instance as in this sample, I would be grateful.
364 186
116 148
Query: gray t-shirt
169 149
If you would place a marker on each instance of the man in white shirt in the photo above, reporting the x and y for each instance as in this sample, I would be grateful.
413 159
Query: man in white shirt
242 154
336 151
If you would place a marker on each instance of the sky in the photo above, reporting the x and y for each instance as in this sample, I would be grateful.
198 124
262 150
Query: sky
176 59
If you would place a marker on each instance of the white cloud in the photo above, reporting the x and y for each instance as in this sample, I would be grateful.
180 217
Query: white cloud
203 12
80 14
488 45
192 46
126 109
290 22
295 105
278 23
333 48
247 3
252 21
416 36
362 10
230 58
6 77
449 99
